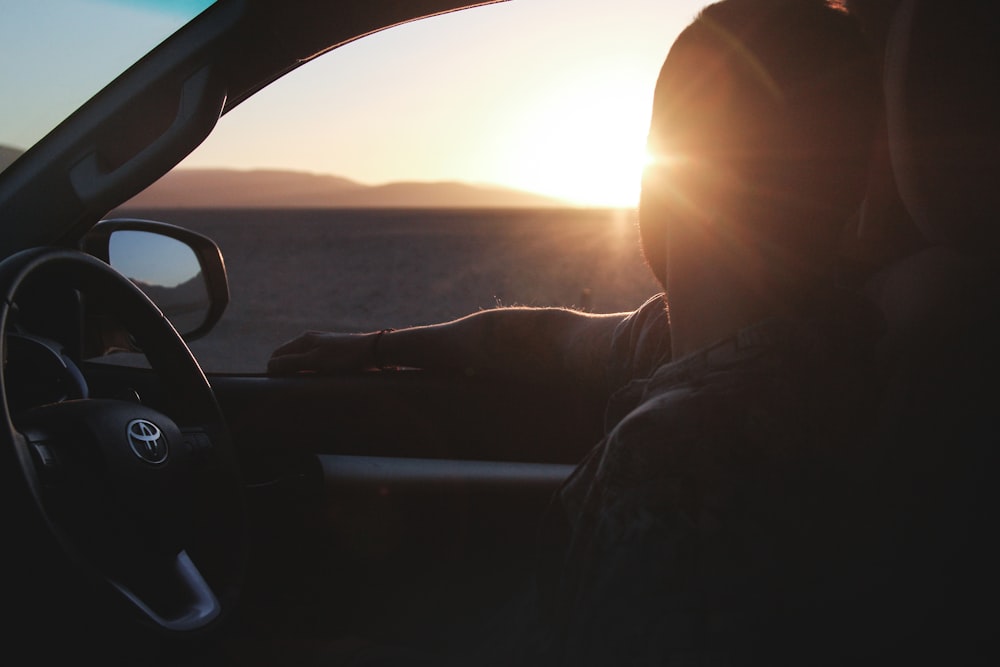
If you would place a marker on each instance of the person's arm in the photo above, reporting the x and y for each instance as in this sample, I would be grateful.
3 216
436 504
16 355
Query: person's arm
540 344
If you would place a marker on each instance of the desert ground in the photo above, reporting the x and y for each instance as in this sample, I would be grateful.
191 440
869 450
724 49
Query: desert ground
359 270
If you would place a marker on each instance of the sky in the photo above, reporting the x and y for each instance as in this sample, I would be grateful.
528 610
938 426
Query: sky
55 54
550 96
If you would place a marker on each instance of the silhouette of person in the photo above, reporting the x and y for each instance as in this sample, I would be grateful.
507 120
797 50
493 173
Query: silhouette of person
703 525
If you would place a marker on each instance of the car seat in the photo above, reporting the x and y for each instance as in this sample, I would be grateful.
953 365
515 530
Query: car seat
930 500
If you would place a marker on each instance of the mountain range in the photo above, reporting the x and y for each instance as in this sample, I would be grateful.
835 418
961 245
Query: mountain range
229 188
233 188
8 155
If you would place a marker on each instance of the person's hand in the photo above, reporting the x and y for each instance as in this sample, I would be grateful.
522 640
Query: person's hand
326 352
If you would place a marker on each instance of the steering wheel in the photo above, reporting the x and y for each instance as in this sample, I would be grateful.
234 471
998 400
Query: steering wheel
147 507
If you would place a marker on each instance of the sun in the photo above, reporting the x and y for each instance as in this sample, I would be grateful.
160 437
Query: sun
587 145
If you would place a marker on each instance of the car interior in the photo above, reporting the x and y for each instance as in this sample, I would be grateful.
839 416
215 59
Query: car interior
301 516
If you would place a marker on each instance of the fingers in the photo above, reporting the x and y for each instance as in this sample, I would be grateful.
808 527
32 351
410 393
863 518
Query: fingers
302 354
322 352
292 363
297 345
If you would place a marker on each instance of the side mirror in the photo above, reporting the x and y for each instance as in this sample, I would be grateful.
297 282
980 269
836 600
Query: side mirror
181 271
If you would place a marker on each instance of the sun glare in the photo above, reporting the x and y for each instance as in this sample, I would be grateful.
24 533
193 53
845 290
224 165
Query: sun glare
562 110
587 146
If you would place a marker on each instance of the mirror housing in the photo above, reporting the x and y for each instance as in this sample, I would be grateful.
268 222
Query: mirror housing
181 271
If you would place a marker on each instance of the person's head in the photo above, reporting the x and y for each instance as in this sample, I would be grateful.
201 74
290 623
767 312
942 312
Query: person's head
762 122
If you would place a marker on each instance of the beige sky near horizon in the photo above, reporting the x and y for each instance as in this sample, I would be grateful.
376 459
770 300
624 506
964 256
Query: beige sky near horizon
549 96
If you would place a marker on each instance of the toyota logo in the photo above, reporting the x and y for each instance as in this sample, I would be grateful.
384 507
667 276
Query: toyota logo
147 441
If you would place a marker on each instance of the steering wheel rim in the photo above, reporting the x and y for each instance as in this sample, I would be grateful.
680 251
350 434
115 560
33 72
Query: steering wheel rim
173 544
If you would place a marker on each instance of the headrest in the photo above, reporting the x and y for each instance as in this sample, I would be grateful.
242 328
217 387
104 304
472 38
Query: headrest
942 80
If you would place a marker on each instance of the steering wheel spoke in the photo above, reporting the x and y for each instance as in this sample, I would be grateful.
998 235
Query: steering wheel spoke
171 592
199 442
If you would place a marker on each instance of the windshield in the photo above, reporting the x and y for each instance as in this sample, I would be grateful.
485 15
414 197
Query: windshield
56 54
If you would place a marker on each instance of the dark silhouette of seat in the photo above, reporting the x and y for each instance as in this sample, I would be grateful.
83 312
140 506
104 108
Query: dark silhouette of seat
929 495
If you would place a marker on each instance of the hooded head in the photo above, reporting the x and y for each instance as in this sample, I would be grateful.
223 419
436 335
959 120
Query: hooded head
761 131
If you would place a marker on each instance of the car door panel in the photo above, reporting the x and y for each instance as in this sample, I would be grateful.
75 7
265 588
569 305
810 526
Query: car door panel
392 504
